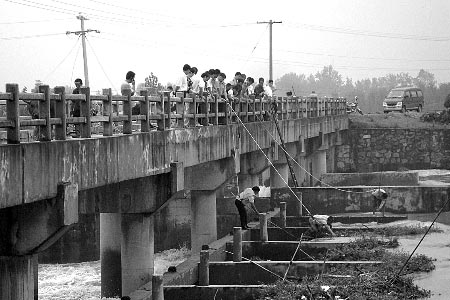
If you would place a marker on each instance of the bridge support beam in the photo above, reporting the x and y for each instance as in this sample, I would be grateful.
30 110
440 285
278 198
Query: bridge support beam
319 164
17 277
137 251
279 175
110 255
204 220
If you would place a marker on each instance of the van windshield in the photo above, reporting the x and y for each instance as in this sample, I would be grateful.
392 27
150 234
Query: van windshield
395 94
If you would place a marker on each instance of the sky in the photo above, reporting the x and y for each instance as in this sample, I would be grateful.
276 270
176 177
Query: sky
361 39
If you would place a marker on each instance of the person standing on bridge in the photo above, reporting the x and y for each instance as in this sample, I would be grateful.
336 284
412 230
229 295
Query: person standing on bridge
245 202
76 105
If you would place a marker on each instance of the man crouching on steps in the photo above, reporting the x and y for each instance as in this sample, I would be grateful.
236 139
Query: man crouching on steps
245 202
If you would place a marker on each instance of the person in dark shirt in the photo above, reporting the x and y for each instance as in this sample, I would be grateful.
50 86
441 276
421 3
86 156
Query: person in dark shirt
76 105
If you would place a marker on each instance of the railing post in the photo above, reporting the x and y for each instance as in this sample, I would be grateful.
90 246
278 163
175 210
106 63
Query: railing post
13 114
127 112
107 111
167 111
85 111
237 244
181 108
60 113
161 121
145 110
157 287
216 109
263 227
203 270
194 102
44 113
283 214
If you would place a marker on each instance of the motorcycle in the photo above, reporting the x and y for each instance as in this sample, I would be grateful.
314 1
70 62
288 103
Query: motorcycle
352 107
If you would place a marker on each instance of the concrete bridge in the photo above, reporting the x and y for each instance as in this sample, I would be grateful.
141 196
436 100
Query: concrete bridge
130 176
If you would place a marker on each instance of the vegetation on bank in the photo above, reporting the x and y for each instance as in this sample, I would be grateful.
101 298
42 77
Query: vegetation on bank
408 120
370 282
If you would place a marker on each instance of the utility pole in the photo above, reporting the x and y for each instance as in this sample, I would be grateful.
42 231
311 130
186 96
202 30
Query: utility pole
270 46
83 32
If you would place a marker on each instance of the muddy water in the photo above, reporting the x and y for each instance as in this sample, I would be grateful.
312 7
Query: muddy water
437 246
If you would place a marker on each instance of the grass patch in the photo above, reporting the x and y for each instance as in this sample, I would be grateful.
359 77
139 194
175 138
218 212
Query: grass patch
358 282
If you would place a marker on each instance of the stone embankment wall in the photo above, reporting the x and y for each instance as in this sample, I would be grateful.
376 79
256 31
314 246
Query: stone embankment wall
381 149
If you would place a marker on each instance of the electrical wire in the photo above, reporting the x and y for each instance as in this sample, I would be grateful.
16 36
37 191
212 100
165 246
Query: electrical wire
101 66
74 63
254 48
29 36
32 21
63 60
367 33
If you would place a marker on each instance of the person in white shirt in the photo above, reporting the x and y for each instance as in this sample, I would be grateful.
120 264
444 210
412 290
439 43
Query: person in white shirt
272 86
379 199
129 83
246 202
268 91
250 86
184 82
320 225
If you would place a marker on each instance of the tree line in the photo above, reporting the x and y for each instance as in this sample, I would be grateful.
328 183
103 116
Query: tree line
371 92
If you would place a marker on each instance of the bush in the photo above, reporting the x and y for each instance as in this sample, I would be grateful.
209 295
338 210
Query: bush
439 116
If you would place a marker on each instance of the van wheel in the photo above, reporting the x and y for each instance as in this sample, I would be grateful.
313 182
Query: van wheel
403 109
419 108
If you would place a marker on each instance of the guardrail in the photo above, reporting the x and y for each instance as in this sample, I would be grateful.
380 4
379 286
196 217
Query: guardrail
166 112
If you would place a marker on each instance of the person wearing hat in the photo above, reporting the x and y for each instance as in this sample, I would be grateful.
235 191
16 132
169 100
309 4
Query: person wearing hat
245 202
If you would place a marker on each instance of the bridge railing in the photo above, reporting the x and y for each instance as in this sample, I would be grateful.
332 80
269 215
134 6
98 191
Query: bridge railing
118 114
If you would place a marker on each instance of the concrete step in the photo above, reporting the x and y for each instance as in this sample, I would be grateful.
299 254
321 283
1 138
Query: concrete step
294 233
228 292
283 250
257 272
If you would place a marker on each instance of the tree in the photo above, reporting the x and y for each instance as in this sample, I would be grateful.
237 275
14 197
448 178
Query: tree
153 84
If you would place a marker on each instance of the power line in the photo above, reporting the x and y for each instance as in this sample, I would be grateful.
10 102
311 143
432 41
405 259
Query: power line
101 66
32 21
364 57
270 22
369 33
63 60
30 36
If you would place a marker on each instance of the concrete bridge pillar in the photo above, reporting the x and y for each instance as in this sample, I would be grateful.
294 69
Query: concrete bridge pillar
110 255
247 180
17 277
137 251
319 164
279 175
300 173
126 252
203 218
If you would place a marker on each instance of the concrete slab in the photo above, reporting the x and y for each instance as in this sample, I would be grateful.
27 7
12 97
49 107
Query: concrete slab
294 221
257 272
283 250
217 292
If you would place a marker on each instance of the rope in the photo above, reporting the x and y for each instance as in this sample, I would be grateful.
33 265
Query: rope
432 223
268 159
293 256
265 269
302 167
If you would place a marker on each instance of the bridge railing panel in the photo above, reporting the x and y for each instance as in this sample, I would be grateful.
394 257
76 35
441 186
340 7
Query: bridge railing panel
109 114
